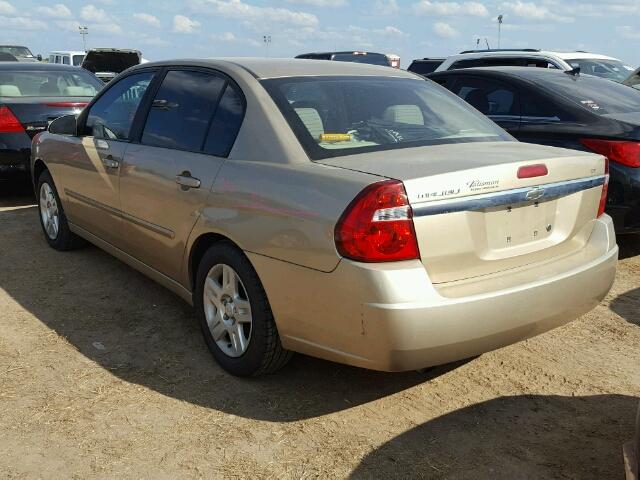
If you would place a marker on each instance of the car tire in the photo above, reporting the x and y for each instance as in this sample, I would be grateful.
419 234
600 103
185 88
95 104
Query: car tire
236 318
52 217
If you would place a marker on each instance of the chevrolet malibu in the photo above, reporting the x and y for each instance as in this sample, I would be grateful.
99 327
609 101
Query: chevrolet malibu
351 212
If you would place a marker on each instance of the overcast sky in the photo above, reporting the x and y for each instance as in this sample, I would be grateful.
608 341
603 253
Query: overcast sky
411 28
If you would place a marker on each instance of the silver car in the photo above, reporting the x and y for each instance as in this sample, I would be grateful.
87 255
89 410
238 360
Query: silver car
351 212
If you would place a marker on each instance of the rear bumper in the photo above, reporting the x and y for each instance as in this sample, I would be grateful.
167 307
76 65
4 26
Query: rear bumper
392 318
624 198
14 163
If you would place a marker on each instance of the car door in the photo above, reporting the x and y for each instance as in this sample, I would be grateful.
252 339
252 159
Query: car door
92 183
498 100
166 177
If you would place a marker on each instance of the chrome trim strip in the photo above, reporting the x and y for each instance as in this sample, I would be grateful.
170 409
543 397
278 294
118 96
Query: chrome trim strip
513 197
92 202
165 232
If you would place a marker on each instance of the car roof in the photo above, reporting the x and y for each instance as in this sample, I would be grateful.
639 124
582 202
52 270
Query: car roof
523 73
71 52
36 66
264 68
575 55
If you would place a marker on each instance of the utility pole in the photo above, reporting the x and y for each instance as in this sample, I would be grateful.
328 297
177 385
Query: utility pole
84 31
500 17
267 42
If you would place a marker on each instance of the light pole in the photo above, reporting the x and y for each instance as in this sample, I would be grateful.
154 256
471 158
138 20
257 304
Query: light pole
500 17
84 31
267 41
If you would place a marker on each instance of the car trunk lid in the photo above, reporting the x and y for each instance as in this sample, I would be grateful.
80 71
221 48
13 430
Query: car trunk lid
36 113
473 216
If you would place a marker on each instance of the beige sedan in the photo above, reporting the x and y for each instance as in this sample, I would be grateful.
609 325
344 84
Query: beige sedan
351 212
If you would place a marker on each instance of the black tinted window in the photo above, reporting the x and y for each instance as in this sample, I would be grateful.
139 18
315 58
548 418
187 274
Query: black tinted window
112 115
424 67
226 123
182 109
489 97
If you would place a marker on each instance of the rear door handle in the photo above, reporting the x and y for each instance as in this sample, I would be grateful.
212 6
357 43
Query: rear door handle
186 181
110 162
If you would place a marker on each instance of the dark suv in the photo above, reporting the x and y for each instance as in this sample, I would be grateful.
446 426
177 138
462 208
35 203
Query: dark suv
425 66
357 57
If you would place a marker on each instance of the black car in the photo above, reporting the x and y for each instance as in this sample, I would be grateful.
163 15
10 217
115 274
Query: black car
371 58
425 66
31 96
22 54
561 109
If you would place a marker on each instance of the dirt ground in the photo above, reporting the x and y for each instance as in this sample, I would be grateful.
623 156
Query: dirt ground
104 374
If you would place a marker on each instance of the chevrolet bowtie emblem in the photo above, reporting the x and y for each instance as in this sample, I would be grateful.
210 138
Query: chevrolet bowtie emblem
535 194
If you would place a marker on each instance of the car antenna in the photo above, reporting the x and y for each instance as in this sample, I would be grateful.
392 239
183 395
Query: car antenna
574 72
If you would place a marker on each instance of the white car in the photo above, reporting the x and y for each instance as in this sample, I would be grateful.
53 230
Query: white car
589 63
67 57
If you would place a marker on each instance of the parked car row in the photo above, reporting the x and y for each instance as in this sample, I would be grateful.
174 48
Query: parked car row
346 211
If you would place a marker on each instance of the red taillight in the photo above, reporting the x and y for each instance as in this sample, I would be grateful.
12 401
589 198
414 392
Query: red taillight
67 104
625 153
8 121
378 225
531 171
605 188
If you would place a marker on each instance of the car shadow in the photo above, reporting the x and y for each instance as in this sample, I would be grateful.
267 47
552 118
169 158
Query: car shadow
627 306
144 334
629 245
518 437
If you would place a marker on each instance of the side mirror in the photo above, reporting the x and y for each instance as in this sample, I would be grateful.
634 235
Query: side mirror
65 125
39 57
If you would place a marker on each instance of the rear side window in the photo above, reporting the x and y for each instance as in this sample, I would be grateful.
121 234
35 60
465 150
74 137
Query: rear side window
226 123
489 97
66 60
112 115
194 111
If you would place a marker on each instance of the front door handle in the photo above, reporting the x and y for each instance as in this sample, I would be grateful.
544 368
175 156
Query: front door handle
110 162
186 181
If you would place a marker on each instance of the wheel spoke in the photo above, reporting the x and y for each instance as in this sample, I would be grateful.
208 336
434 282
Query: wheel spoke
229 280
218 330
212 291
243 310
238 342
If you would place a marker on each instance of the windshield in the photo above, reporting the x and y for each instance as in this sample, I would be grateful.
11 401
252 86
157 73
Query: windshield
610 69
17 51
48 84
77 60
595 94
335 116
370 58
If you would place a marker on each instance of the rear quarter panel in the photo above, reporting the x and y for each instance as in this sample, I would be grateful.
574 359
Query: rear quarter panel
283 211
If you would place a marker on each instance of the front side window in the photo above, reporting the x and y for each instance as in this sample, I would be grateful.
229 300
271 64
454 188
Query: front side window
111 117
335 116
49 83
77 60
182 109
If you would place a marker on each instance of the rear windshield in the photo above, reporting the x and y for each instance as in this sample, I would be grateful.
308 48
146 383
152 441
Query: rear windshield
370 58
17 51
595 94
611 69
48 84
424 67
336 116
